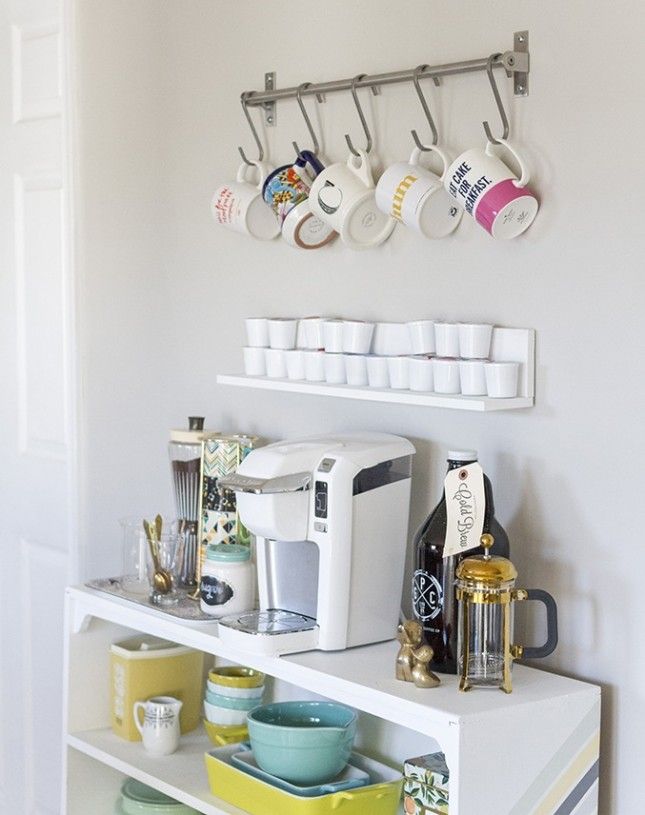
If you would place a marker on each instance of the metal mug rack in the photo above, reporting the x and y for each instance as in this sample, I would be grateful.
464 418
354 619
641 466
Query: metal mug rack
515 63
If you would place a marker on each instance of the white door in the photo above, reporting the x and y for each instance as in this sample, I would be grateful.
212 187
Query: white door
37 424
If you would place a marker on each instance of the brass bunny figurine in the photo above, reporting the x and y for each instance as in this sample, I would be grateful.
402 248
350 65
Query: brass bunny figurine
414 656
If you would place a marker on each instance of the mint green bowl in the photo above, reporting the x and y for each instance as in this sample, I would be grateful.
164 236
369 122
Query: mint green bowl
305 743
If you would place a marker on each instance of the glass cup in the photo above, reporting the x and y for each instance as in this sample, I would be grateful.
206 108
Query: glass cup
134 573
164 574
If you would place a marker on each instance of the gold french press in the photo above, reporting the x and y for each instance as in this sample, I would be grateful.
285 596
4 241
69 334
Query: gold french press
485 591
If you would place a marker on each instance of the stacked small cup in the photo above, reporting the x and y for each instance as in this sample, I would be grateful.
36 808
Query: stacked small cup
231 692
422 355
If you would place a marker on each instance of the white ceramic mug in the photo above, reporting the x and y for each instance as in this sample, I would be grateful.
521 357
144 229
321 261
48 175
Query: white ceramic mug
489 190
343 196
333 336
254 361
391 340
160 727
239 205
313 333
416 196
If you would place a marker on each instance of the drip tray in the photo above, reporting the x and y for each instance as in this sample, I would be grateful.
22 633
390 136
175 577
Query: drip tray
272 631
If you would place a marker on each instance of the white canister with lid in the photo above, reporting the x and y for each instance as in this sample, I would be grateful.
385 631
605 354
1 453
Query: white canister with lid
227 583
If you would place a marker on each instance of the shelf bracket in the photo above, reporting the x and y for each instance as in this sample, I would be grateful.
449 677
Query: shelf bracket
270 108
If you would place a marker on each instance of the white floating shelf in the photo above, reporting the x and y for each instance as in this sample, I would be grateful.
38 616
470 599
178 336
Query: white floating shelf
508 345
457 402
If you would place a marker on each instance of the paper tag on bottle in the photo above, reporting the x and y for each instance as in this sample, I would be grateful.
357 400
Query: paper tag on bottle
465 508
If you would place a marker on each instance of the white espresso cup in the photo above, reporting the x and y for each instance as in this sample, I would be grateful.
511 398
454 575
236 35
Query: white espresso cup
486 188
446 375
257 332
377 372
474 340
254 361
335 369
295 362
333 336
343 196
472 377
398 369
416 196
446 336
160 727
239 205
357 336
421 336
356 369
421 374
282 333
276 363
501 379
314 366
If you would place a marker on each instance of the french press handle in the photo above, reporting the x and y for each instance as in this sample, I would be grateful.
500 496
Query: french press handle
537 652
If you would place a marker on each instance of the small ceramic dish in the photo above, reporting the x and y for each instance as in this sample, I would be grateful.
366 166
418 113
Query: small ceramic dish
236 676
221 735
231 703
224 715
235 693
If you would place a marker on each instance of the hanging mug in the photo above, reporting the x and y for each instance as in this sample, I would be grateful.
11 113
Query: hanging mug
343 196
160 727
239 205
486 188
286 191
416 197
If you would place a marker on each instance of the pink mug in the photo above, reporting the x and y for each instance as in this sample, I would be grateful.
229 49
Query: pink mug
486 188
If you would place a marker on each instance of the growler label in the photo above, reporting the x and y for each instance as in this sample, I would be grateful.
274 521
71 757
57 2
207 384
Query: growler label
215 592
427 596
465 508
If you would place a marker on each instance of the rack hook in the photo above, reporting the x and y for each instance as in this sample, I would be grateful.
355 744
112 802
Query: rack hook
361 116
424 104
498 101
244 100
305 115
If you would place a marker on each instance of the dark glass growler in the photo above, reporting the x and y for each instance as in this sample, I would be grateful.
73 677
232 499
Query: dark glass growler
433 586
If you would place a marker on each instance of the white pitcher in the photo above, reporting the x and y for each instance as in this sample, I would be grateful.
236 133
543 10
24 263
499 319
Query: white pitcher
160 729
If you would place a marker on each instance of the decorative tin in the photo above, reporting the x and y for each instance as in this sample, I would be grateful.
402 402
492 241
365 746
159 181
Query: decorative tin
425 788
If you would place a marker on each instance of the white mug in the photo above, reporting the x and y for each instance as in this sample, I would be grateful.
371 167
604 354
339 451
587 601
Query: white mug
399 372
472 377
343 196
160 727
416 197
490 191
421 336
502 379
357 336
314 366
313 333
257 332
333 336
377 373
421 374
276 363
295 362
239 205
282 333
474 340
335 369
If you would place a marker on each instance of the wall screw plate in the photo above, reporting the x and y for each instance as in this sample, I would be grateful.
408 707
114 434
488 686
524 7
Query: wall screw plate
270 108
521 77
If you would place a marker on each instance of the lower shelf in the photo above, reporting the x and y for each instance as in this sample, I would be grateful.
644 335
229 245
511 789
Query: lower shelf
181 775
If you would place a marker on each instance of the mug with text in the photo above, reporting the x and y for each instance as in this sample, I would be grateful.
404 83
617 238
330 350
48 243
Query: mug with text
286 191
416 197
239 205
486 188
343 196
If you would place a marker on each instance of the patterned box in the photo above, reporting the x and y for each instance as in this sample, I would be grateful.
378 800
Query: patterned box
426 785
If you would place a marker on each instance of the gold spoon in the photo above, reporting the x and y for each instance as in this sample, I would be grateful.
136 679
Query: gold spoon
161 580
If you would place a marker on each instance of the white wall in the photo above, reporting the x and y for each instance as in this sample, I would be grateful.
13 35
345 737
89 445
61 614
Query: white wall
164 290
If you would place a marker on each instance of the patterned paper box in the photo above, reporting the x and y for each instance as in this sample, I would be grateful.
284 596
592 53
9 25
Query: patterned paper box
426 784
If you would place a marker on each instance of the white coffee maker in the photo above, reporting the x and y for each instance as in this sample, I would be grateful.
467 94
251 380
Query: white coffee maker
330 514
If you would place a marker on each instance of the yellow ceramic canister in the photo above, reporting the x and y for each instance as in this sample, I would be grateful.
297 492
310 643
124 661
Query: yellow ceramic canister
258 797
145 666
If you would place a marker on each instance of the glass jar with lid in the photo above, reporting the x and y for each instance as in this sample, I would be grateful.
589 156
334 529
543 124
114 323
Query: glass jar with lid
227 584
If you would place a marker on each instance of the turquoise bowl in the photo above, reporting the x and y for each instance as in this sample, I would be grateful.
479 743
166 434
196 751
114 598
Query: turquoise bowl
305 743
230 703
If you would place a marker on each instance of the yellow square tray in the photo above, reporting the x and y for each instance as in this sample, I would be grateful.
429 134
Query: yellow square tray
258 797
